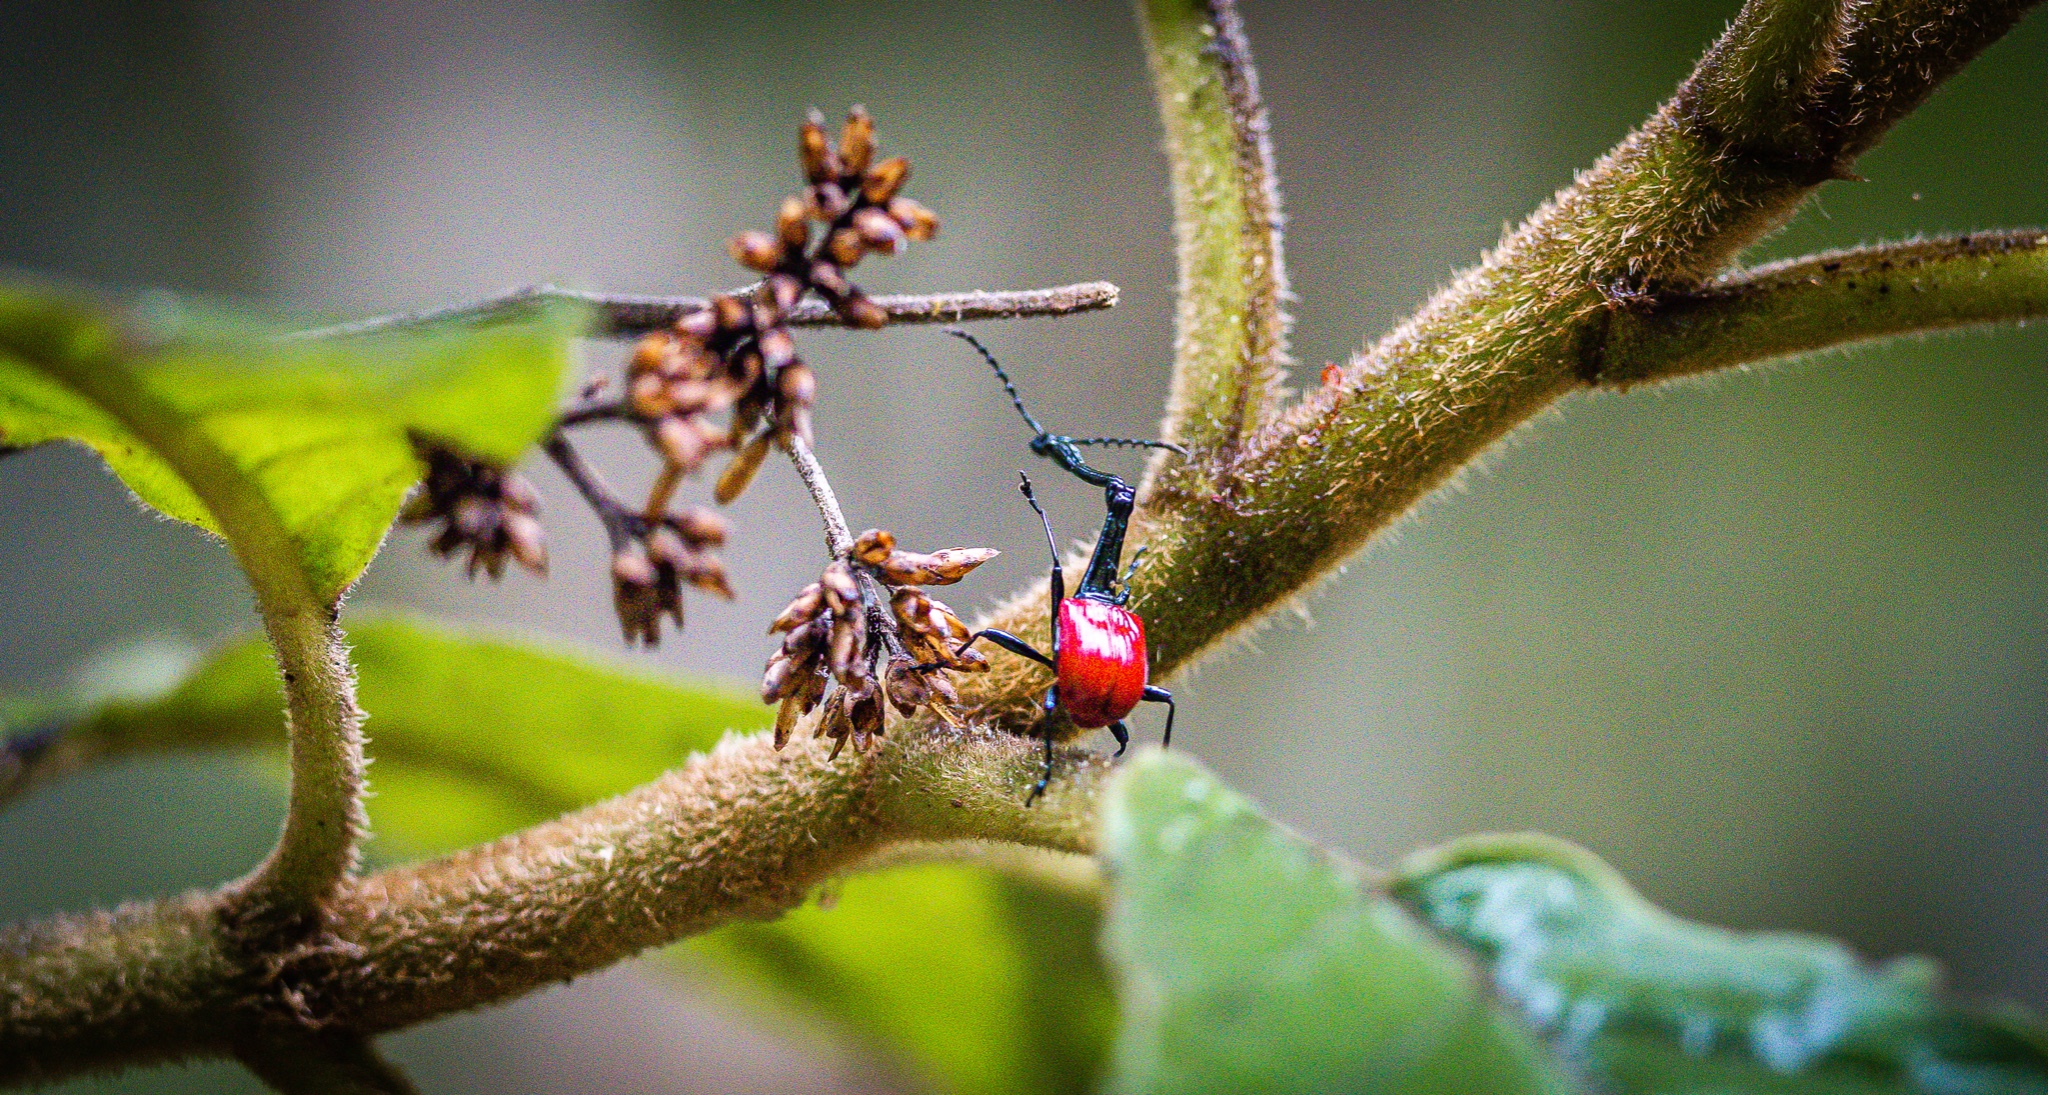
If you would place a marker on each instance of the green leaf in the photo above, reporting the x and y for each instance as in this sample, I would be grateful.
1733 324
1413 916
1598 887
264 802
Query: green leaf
977 980
1642 1001
1251 961
297 451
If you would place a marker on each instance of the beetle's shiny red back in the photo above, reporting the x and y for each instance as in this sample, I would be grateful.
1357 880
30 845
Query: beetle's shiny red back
1102 661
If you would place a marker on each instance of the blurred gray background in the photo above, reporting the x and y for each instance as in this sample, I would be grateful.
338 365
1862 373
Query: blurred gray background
1774 644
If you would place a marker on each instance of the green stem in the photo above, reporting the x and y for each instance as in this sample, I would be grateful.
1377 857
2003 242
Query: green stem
324 820
1825 301
1232 325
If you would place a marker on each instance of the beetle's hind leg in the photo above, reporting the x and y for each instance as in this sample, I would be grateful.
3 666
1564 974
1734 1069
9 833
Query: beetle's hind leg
1052 704
1156 694
1122 735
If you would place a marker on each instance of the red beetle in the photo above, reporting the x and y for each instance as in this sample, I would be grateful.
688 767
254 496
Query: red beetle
1098 645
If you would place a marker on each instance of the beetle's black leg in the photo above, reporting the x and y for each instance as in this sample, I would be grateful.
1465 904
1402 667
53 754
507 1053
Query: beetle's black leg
1004 639
1052 704
1156 694
1059 577
1122 736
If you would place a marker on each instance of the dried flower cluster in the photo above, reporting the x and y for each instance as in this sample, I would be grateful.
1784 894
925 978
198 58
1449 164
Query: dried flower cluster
484 509
652 563
738 354
848 648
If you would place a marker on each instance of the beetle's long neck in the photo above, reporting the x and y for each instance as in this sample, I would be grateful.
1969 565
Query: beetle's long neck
1109 547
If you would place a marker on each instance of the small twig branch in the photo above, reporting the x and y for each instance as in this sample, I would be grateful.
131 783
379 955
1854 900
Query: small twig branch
591 485
1829 300
315 1065
839 543
630 315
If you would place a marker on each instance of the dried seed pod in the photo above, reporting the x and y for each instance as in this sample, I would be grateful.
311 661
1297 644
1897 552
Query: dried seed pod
797 384
738 474
703 571
483 509
828 202
785 289
779 680
856 142
873 546
939 568
791 710
883 180
842 592
828 279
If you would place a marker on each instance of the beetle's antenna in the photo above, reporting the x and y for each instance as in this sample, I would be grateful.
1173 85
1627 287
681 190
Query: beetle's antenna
1000 375
1128 442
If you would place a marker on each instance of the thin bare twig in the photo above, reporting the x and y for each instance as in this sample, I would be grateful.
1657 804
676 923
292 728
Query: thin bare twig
630 315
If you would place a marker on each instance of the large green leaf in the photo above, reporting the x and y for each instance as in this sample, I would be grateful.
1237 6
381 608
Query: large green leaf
216 421
1642 1001
977 980
1251 961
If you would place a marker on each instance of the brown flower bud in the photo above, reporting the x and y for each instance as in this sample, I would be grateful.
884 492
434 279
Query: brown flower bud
846 247
679 442
912 609
856 142
705 572
883 180
906 690
756 250
780 678
829 279
698 325
734 315
777 347
842 592
814 152
786 290
858 311
797 384
874 545
791 227
527 541
879 231
918 222
648 396
654 353
945 622
518 494
849 642
827 202
700 526
733 481
785 719
940 568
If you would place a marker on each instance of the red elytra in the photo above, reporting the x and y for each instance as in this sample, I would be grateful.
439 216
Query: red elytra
1102 661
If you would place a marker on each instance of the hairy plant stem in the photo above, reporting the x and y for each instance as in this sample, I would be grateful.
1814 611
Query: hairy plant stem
741 833
324 819
630 315
1609 283
1666 210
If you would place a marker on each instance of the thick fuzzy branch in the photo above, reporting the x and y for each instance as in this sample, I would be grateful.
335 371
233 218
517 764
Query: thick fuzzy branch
1829 300
321 1065
1668 209
630 315
1231 347
742 833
